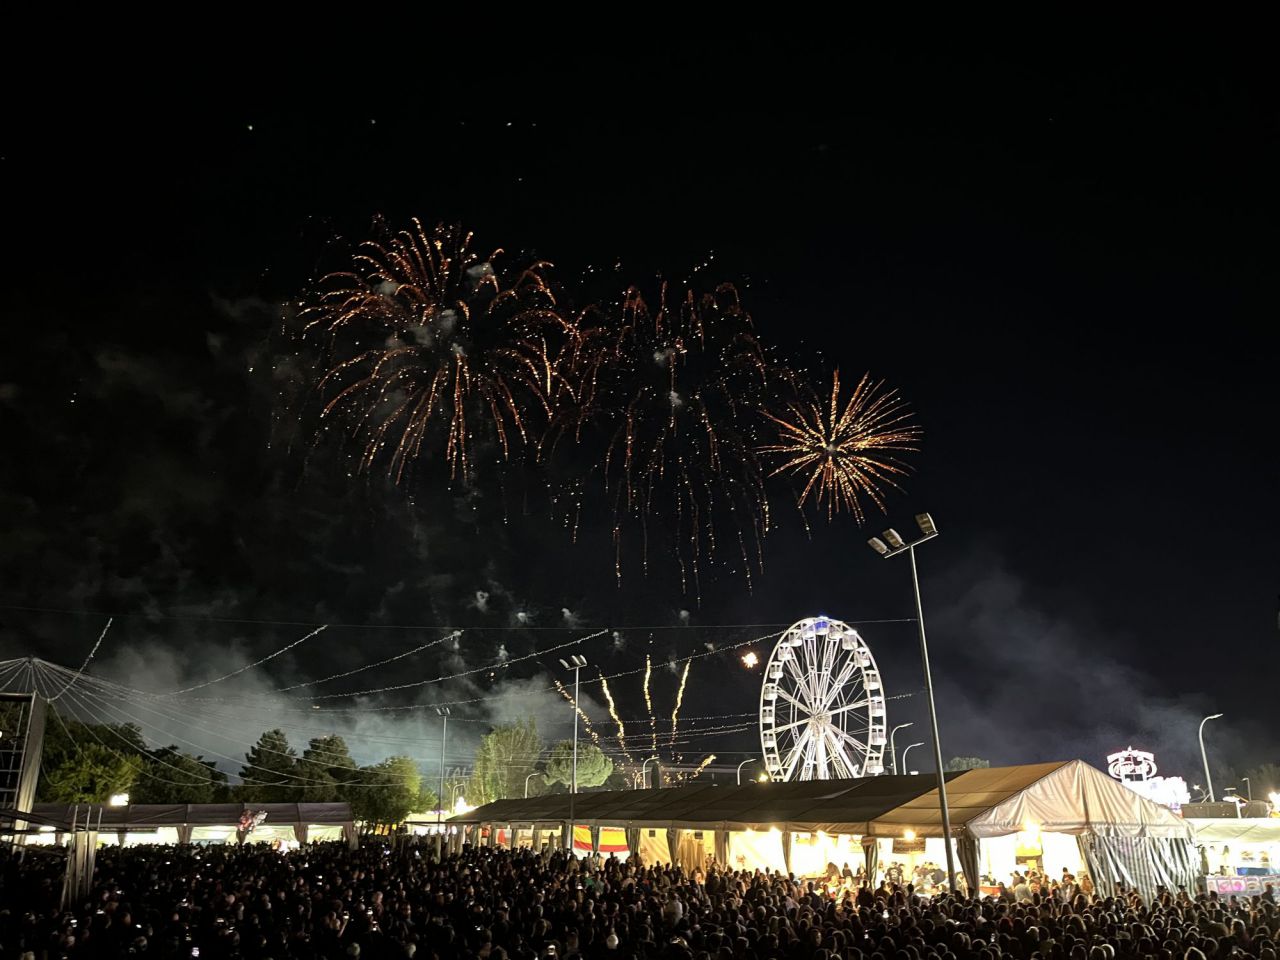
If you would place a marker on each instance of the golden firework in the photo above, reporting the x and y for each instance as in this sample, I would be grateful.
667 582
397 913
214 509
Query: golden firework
845 452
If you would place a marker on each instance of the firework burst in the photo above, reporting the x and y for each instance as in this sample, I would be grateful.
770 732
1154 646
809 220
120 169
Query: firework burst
426 340
667 393
845 453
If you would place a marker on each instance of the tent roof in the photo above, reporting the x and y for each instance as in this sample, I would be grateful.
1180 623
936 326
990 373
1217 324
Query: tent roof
1068 797
145 816
1242 830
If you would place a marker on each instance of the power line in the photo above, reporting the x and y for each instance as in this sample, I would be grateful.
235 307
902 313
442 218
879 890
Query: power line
409 626
101 637
250 666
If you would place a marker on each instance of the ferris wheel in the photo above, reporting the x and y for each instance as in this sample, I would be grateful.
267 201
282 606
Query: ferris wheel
822 705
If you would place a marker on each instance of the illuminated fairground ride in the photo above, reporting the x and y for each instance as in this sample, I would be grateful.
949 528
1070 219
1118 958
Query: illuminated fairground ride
822 705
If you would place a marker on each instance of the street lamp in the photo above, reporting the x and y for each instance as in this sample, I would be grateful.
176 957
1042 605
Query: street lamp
896 545
906 751
443 714
1204 758
526 783
574 663
644 767
892 752
1248 788
741 765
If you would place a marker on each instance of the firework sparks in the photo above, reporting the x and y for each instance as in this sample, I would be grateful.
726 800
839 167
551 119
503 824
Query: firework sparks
667 392
613 712
706 762
421 331
750 660
586 721
675 713
648 701
845 452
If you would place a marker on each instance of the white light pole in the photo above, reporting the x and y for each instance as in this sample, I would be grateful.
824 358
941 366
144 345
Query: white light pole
443 714
574 663
526 783
644 767
1248 788
905 768
741 765
1204 758
896 545
892 752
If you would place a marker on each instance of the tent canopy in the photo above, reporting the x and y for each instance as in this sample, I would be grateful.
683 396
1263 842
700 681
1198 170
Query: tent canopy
1243 830
149 816
1063 797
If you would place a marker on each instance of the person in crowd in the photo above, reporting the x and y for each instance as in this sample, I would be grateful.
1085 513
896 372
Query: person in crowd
325 902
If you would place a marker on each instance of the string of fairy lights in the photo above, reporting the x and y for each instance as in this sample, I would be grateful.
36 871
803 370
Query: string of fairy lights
106 708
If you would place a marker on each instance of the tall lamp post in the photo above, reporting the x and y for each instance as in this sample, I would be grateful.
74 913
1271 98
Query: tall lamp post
1248 789
574 663
892 752
644 767
895 546
443 714
905 768
1204 757
526 783
741 765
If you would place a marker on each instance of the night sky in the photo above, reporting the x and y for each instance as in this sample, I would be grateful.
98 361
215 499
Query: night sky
1067 271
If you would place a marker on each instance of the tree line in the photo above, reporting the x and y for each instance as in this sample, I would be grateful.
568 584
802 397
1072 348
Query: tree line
91 763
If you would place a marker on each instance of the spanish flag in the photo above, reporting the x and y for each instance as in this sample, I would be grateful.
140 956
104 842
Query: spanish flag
612 840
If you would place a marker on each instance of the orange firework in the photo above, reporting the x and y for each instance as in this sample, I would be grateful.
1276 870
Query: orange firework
424 333
845 453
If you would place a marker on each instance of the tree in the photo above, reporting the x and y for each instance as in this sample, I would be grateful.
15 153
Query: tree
91 773
170 776
388 792
270 771
593 766
331 755
326 770
966 763
506 755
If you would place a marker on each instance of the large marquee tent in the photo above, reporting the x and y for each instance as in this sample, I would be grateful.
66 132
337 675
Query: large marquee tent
1075 815
197 822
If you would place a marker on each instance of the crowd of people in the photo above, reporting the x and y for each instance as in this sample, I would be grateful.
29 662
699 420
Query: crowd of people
402 903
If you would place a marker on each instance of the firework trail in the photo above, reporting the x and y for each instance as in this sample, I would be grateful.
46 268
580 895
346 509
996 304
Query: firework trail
648 702
586 721
613 712
423 337
675 713
669 394
845 453
710 758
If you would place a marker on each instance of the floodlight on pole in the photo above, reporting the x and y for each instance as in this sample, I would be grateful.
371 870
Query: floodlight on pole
928 530
644 767
893 754
1204 757
905 768
575 663
443 714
